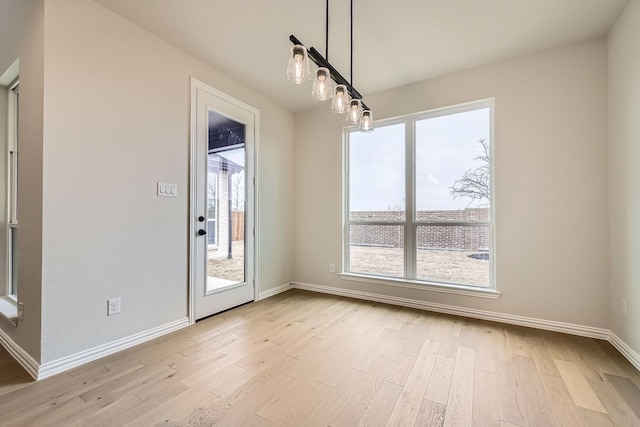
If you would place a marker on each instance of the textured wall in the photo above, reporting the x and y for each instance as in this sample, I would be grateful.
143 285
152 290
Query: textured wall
550 189
624 173
22 34
10 23
117 121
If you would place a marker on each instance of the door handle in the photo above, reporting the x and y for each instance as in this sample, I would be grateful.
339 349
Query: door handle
201 218
202 232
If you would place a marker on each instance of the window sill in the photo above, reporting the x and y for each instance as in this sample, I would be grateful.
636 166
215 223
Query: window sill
9 309
468 291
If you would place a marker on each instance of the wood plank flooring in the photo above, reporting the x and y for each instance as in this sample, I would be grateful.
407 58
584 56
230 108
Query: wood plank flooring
305 359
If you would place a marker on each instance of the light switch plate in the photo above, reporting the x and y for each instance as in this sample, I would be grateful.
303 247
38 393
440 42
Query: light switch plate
167 190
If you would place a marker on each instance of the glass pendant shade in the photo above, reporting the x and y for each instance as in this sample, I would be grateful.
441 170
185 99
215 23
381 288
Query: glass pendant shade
322 85
340 101
366 124
354 113
298 68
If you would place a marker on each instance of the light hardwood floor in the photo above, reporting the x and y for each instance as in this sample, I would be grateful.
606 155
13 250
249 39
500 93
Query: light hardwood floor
305 359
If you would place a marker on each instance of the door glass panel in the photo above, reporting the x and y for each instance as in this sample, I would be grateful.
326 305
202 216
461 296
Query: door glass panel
225 203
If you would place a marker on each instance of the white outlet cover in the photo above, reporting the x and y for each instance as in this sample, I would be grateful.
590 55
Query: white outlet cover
113 306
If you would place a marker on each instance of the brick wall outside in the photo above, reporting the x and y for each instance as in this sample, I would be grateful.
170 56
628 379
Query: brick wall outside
463 238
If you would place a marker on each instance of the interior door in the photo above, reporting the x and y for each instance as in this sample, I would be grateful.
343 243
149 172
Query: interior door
223 203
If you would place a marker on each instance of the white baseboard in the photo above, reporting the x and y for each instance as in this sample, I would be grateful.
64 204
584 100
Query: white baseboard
549 325
22 357
568 328
630 354
48 369
69 362
274 291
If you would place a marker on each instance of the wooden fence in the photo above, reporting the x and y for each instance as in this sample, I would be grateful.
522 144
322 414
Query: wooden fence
237 225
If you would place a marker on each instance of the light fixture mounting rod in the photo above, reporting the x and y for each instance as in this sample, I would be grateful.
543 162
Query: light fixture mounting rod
326 33
335 75
351 52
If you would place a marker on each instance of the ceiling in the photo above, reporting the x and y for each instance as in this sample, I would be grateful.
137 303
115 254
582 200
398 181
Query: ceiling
395 42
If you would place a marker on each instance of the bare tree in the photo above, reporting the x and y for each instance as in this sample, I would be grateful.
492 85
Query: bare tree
237 188
475 184
211 199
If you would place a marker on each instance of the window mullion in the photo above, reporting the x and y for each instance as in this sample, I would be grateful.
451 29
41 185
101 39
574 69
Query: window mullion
346 261
409 230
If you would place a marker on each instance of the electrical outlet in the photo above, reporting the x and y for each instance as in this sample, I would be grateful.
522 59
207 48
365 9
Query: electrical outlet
624 307
21 310
332 268
113 306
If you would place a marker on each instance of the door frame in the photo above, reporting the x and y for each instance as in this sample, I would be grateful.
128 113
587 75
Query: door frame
197 85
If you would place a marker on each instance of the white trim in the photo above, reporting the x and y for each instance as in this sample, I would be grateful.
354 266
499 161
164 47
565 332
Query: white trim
39 372
424 286
630 354
10 74
251 215
198 84
410 222
69 362
193 173
22 357
512 319
11 188
9 309
225 288
549 325
274 291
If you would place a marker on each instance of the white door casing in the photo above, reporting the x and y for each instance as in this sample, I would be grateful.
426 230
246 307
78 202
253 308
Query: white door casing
202 303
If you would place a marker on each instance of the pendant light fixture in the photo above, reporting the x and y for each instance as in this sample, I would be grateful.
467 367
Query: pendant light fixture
322 85
298 68
354 112
344 97
366 124
340 101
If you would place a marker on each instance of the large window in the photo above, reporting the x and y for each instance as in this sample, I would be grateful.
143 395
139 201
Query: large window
419 203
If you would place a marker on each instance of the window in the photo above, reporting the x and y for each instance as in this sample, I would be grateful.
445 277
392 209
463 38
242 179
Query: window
12 188
418 202
9 108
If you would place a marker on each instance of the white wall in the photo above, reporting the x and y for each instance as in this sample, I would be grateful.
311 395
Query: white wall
116 117
23 28
9 32
624 173
116 120
30 187
551 183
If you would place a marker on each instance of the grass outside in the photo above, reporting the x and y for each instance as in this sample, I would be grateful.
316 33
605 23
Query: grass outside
433 265
221 266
